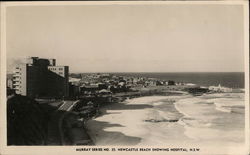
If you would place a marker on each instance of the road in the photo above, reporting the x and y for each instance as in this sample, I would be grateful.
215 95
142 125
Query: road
67 105
55 132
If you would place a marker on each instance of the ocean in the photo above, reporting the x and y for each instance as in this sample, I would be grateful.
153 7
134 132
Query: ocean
226 79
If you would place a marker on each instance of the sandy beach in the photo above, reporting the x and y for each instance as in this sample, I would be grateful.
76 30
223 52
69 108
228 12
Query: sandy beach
171 121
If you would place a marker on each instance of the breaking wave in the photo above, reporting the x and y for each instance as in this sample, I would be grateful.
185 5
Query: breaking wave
214 114
230 106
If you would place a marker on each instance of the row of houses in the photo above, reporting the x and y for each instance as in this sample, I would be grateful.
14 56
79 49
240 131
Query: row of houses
96 84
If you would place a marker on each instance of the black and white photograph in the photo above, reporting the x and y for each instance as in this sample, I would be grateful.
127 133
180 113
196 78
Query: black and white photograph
125 77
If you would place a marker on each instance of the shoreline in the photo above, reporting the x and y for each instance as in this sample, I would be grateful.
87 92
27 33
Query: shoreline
110 127
96 130
74 132
122 98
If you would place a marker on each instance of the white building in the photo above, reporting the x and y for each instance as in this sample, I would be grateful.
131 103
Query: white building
219 88
20 79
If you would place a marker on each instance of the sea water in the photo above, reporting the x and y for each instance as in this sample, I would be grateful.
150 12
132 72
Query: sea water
214 118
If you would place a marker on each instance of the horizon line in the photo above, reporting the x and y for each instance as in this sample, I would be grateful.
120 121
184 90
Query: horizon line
167 72
7 72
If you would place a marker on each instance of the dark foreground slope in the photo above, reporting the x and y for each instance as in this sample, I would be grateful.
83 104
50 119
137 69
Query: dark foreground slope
27 121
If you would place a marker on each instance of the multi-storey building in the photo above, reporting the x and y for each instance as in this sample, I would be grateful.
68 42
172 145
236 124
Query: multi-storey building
59 78
41 78
20 79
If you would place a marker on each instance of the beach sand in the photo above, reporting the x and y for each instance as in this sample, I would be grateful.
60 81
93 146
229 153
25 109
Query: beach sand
168 121
126 123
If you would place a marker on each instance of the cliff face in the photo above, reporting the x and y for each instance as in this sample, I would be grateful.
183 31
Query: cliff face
26 122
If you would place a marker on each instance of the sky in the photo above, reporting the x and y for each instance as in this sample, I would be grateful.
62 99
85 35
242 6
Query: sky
129 38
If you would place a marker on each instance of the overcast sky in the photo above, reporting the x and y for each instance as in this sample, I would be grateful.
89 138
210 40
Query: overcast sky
123 38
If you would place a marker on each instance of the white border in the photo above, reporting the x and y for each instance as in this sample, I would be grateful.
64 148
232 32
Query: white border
3 72
71 149
246 55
